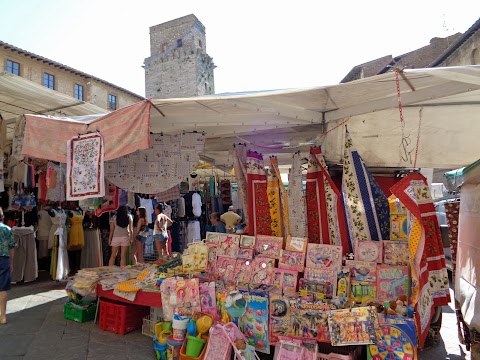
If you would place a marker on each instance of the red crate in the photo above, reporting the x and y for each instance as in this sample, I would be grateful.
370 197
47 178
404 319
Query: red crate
121 318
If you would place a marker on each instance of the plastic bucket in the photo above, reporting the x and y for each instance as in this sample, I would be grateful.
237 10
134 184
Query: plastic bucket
179 328
173 348
160 351
167 325
194 346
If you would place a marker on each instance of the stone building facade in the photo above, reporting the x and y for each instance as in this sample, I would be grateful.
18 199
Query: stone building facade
179 65
64 79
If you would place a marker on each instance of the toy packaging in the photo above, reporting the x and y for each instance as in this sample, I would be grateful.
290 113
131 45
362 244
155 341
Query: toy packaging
255 323
207 298
212 238
245 253
362 270
247 242
243 271
292 260
186 299
297 244
230 244
398 226
322 281
320 256
286 279
392 282
343 284
354 326
270 246
395 252
263 270
367 250
212 259
279 317
309 319
226 268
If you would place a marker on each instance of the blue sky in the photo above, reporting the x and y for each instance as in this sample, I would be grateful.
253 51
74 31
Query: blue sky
255 45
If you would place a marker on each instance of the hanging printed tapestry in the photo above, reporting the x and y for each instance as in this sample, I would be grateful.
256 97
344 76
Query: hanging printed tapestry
283 209
366 207
259 219
325 213
85 172
169 160
430 284
296 200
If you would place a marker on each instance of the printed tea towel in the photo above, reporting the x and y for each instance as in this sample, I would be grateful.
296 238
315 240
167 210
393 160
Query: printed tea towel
85 168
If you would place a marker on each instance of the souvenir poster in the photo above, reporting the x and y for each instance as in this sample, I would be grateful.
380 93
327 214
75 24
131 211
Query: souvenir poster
398 226
270 246
212 238
243 271
286 279
247 242
310 319
395 253
368 250
354 326
263 270
245 253
225 268
229 243
325 280
292 260
298 244
320 256
279 317
398 339
255 322
212 260
392 282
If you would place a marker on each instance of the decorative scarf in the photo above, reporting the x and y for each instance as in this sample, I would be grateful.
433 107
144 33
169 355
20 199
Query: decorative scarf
259 219
366 207
296 199
325 213
430 285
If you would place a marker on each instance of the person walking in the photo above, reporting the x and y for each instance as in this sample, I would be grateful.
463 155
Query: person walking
121 235
7 251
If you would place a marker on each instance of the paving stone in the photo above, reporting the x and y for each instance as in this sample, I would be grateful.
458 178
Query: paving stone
15 345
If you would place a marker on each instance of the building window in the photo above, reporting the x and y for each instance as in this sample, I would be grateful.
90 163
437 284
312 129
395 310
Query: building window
112 102
179 43
49 81
164 47
78 92
13 67
200 43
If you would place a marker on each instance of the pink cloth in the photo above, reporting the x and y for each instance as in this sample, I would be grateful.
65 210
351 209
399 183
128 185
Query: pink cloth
124 131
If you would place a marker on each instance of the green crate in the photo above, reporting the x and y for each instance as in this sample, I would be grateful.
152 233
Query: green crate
83 312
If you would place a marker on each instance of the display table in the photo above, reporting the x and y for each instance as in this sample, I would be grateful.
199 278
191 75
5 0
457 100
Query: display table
143 297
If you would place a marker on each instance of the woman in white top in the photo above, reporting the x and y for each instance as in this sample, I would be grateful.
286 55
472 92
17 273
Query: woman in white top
160 233
121 235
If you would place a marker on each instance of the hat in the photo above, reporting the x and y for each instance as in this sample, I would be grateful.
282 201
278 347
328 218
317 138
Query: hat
230 207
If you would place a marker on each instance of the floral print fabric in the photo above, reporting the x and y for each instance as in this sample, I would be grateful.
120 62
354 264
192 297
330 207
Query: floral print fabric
452 210
325 214
283 197
85 171
259 219
430 285
366 207
296 200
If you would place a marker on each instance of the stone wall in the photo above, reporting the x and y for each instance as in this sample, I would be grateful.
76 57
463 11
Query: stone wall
467 54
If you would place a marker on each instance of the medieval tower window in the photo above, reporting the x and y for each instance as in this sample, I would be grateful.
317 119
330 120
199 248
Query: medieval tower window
475 57
200 43
179 43
164 47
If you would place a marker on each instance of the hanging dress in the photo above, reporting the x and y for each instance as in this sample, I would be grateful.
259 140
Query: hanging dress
63 267
76 239
57 221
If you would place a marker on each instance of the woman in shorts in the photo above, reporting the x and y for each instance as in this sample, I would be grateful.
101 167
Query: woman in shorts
160 233
121 235
141 234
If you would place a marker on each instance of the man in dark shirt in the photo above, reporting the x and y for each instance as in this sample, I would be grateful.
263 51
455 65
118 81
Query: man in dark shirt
217 224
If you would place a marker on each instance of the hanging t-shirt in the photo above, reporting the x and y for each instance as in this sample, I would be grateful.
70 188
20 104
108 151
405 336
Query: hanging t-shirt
196 205
181 207
147 204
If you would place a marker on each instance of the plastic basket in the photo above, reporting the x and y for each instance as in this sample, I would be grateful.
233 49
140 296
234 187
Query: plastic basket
156 314
333 356
148 326
233 333
121 318
218 347
85 311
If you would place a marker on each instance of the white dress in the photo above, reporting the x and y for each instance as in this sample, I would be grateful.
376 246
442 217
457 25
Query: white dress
63 267
58 220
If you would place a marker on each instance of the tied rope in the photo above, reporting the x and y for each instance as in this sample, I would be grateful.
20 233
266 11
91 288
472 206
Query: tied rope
402 121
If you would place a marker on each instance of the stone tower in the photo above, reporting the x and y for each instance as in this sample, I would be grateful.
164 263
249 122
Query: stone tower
179 65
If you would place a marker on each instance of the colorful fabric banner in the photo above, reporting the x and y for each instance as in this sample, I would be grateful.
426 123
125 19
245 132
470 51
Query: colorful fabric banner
274 204
296 200
325 213
366 206
430 284
85 171
110 201
239 167
283 207
452 210
124 131
259 219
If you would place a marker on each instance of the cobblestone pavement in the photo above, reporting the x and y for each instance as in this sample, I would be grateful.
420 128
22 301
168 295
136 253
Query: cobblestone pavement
37 330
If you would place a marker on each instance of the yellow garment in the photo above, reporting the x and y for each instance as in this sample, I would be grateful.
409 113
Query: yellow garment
230 219
413 243
76 239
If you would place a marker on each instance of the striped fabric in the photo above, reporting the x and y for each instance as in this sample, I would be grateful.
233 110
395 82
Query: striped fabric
366 207
325 213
